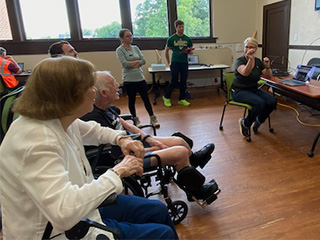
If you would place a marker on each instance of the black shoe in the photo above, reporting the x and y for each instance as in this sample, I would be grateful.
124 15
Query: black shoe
208 192
244 130
202 157
256 125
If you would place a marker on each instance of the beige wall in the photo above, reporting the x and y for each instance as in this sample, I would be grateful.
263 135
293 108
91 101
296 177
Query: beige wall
108 61
234 20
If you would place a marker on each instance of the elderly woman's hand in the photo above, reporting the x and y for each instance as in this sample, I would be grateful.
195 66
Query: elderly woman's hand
129 146
128 166
266 62
250 54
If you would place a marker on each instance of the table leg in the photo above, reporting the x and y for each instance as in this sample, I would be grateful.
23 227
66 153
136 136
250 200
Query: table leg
311 154
155 88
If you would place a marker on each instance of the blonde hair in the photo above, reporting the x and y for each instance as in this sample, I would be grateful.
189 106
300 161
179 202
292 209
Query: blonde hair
251 40
55 88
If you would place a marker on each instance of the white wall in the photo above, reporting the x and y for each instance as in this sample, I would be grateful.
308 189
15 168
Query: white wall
304 30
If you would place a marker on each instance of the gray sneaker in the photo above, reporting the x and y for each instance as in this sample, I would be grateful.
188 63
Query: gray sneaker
137 122
154 121
244 130
256 125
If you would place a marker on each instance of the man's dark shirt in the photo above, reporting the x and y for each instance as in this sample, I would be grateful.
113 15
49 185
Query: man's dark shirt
107 118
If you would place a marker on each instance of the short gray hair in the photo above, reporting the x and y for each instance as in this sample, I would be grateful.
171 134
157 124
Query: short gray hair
100 83
3 51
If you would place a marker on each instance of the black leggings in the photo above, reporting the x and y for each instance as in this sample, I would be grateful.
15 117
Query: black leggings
132 88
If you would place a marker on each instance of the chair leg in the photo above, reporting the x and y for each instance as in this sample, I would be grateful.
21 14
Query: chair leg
269 121
224 109
311 154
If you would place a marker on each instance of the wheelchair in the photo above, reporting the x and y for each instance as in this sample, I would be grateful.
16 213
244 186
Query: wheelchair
107 156
81 229
178 210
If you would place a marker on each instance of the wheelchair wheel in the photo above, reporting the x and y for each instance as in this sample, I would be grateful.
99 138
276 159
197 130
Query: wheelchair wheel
178 211
132 187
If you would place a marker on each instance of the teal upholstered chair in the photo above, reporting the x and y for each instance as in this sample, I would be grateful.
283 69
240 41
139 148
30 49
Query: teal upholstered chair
229 80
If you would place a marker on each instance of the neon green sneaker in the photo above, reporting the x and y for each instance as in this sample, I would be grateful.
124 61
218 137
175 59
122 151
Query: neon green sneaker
184 102
166 101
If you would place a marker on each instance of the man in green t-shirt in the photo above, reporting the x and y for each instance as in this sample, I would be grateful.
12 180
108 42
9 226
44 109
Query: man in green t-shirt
179 44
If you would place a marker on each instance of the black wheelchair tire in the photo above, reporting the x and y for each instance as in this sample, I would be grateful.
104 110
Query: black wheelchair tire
132 186
178 211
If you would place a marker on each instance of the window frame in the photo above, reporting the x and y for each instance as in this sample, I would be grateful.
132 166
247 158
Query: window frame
21 46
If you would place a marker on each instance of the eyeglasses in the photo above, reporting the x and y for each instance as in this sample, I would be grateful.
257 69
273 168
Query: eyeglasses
129 36
250 47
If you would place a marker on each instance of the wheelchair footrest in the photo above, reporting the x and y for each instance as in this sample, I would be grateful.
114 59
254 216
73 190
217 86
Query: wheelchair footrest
210 196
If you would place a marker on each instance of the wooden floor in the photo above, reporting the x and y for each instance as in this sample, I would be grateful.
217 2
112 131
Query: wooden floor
270 187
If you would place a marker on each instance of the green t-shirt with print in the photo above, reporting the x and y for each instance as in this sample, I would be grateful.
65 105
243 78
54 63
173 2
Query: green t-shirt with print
177 45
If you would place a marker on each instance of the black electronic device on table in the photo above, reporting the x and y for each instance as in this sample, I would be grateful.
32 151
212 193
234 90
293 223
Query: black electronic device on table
278 72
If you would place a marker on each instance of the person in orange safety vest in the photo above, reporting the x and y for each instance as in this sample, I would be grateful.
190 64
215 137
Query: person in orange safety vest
8 67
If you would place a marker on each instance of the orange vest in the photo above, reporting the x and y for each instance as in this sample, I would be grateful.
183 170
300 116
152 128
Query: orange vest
7 76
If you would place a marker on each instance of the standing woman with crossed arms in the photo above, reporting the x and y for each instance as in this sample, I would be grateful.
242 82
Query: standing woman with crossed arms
131 60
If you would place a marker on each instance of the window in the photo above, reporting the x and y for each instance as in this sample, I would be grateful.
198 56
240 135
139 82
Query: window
196 17
45 19
5 31
149 18
99 18
94 25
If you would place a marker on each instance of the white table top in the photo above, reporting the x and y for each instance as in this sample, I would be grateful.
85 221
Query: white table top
204 67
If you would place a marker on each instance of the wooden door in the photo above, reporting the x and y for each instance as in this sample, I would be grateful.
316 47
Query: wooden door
276 22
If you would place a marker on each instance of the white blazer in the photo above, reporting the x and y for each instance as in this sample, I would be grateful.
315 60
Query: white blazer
45 176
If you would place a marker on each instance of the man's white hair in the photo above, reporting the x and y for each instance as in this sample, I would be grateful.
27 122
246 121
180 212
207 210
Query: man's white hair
100 83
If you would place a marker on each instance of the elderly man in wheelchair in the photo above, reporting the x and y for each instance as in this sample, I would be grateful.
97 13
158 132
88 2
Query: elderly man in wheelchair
170 151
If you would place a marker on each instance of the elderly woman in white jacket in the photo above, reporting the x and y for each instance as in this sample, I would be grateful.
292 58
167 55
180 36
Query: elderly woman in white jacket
44 173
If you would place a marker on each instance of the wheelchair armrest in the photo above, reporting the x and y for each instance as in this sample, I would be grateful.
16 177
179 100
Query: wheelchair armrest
82 228
136 136
109 201
126 116
184 137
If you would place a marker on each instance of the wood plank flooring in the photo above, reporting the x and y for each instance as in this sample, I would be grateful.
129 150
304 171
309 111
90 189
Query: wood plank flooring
270 187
